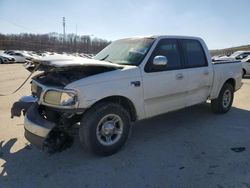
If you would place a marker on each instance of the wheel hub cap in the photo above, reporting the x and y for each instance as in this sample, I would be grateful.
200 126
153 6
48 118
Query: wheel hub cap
226 98
109 129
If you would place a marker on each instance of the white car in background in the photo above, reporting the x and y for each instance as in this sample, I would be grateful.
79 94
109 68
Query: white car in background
5 58
18 56
238 55
246 66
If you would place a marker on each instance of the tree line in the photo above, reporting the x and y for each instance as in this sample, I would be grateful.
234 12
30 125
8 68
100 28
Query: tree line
229 51
52 42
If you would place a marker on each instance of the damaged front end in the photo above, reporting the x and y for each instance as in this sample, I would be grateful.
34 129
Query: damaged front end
51 118
49 130
52 113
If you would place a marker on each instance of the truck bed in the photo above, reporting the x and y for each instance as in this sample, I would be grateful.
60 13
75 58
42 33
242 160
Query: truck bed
223 71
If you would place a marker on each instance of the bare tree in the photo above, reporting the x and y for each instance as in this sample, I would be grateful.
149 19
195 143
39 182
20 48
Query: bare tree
52 42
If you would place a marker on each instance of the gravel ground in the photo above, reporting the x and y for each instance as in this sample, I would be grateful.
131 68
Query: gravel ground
187 148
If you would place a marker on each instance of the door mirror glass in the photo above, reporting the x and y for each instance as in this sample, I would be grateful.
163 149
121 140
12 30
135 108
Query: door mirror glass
160 60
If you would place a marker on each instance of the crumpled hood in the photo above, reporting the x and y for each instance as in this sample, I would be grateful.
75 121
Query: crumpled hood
65 61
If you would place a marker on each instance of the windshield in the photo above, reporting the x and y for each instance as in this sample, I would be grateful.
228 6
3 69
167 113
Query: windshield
126 51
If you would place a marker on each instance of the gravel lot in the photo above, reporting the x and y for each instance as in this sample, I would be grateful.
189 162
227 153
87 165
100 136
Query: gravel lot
188 148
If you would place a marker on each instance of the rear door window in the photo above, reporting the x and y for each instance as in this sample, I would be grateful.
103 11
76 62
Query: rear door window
194 53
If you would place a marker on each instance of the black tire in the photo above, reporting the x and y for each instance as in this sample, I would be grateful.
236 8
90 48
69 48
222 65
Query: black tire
90 124
1 61
243 73
218 105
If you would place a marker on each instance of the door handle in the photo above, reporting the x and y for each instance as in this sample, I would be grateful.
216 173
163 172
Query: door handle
136 83
179 76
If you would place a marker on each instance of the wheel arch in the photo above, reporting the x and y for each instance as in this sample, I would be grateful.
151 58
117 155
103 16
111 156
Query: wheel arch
126 103
218 104
230 81
244 71
218 87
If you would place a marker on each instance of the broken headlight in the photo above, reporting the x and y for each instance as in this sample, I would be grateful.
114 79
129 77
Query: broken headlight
60 98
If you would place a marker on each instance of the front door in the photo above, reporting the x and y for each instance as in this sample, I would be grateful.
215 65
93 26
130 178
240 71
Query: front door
165 88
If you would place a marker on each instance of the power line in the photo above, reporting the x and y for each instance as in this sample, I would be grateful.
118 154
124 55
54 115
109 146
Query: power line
17 25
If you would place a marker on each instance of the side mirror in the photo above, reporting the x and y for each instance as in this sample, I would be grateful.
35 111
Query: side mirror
160 60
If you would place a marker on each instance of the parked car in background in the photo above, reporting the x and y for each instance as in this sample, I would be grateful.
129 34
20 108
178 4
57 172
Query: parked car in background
246 66
5 58
9 51
19 57
238 55
216 57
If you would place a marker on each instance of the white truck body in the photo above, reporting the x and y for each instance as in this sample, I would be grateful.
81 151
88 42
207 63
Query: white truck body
161 92
152 87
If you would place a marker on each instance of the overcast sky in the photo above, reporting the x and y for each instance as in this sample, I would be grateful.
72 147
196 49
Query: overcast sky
221 23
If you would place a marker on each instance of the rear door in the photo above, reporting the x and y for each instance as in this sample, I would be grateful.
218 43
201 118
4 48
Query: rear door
199 72
165 88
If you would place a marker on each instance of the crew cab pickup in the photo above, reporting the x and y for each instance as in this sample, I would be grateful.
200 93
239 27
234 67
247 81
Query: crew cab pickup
129 80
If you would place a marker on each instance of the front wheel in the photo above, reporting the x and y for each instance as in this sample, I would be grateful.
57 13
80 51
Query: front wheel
224 102
104 128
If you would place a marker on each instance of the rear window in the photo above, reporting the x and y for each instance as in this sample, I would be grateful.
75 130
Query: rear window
194 53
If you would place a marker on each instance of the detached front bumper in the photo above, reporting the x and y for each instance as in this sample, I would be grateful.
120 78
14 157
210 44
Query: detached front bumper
37 128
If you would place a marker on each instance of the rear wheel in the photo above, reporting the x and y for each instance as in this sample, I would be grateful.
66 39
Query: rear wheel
104 128
224 102
1 61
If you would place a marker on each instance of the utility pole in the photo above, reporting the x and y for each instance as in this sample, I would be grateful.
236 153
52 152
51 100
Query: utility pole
76 29
76 40
64 35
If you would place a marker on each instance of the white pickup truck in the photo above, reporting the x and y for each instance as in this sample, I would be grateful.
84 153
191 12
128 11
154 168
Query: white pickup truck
130 80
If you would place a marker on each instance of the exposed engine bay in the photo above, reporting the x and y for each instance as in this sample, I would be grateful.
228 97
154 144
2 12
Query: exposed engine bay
60 77
57 72
62 135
